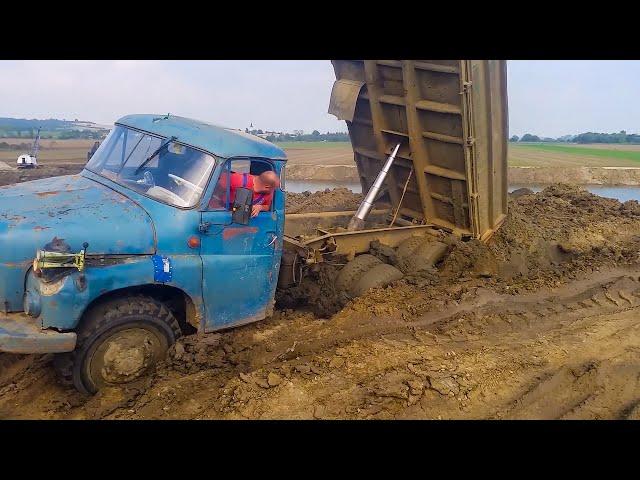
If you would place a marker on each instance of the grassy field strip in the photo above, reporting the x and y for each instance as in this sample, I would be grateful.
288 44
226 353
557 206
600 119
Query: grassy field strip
537 158
633 155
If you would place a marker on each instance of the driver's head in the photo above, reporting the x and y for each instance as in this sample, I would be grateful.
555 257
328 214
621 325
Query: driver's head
266 182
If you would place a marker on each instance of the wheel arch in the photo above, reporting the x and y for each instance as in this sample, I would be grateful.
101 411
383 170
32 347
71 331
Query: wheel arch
184 308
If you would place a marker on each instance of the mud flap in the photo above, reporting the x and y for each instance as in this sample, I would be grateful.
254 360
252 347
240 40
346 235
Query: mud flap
20 333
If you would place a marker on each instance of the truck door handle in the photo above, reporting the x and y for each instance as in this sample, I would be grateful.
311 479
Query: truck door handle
274 237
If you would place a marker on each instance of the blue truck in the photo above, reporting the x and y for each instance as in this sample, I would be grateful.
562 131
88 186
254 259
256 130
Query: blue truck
107 268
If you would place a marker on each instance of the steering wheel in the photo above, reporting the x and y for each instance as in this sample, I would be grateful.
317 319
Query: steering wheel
160 192
146 180
186 183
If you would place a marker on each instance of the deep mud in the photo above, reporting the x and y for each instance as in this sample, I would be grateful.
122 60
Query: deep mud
330 200
540 323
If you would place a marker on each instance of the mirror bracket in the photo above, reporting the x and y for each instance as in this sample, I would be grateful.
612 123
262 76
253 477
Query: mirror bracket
241 209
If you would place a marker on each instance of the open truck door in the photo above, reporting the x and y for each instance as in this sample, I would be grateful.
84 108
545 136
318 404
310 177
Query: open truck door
240 255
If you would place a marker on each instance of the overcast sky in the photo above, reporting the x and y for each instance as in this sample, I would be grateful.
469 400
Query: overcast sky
548 98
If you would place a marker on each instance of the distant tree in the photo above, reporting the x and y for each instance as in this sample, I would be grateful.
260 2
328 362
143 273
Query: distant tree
594 137
527 137
515 138
315 133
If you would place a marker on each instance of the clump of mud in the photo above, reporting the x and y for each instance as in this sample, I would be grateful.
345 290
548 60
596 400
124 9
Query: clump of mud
329 200
520 192
316 291
193 353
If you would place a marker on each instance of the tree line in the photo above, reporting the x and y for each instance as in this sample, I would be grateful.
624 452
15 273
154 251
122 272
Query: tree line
11 132
587 137
300 136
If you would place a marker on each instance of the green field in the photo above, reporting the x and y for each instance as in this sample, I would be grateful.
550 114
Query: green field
589 151
563 155
313 144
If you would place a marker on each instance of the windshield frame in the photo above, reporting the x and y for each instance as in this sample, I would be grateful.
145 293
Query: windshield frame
216 159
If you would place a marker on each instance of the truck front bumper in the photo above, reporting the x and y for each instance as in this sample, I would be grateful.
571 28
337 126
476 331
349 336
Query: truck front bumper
20 333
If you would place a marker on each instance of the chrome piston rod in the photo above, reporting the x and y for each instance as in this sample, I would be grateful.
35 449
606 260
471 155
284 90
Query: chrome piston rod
357 222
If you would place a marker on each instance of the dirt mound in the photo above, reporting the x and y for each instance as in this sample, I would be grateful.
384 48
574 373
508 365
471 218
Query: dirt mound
521 191
550 237
8 177
329 200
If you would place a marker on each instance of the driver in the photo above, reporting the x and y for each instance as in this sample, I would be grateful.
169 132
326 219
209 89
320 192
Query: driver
262 185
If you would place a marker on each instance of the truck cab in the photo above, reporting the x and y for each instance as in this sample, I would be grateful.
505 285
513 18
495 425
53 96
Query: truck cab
108 267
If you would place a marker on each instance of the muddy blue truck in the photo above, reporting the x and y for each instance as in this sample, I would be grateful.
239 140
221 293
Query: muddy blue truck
107 268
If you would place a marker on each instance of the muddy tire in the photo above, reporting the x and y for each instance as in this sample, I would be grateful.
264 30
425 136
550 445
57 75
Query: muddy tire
379 276
420 253
119 341
405 252
428 254
353 271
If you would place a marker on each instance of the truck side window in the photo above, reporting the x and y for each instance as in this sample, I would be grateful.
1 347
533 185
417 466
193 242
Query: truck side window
221 196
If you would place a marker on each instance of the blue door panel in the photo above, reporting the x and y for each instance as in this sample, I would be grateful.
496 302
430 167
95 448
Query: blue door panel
238 260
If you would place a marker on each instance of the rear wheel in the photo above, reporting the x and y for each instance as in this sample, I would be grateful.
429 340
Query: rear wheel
379 276
353 271
120 341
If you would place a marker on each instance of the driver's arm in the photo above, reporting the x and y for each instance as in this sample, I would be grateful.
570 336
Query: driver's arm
256 209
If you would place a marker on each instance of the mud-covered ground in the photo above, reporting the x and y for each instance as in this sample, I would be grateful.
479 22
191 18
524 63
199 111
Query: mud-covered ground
329 200
540 323
9 174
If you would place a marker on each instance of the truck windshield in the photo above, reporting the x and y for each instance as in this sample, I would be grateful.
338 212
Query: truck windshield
177 174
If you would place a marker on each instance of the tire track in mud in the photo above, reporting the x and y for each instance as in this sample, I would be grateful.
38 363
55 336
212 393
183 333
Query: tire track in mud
611 293
213 363
598 388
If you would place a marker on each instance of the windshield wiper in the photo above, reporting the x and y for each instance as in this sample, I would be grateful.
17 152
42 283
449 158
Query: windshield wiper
150 157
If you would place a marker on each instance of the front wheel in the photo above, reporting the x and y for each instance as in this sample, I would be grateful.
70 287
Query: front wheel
120 341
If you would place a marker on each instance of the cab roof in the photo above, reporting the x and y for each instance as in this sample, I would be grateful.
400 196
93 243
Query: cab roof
220 141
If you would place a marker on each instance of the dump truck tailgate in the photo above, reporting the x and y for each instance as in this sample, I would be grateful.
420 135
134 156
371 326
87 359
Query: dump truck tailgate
450 117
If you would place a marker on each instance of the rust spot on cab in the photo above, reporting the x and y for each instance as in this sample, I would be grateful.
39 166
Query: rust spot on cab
39 228
47 194
234 231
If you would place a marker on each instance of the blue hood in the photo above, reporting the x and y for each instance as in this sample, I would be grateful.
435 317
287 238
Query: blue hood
73 208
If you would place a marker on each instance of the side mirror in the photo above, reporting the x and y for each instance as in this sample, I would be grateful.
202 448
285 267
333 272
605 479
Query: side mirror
241 209
175 148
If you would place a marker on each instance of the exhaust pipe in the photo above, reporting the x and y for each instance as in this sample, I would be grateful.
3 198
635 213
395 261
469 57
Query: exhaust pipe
357 222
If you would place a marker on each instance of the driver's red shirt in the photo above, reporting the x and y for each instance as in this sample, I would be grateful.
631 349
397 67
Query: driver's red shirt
237 182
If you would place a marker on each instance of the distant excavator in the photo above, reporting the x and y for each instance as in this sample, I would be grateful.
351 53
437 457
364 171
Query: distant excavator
93 150
30 160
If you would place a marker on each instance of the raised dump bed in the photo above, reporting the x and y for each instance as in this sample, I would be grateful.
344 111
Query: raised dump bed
450 118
